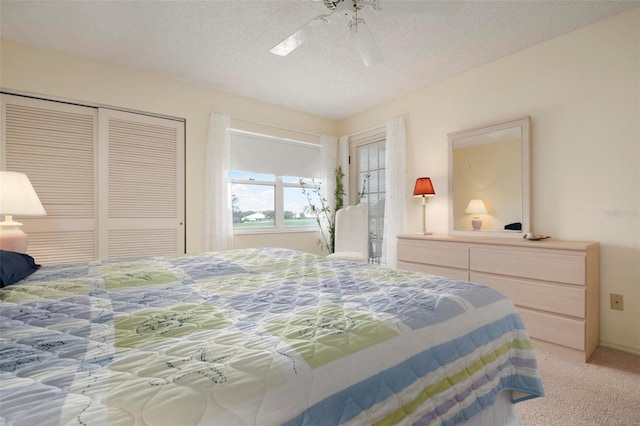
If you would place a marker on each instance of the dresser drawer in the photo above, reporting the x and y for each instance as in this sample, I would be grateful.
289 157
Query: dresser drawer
560 299
458 274
557 267
554 284
441 254
559 330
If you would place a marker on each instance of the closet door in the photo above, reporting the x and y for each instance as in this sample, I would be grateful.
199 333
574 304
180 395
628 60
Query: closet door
55 145
142 185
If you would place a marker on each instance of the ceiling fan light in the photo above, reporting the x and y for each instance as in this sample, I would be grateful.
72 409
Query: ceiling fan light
365 43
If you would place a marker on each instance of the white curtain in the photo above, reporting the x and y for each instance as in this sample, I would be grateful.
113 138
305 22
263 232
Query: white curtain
395 206
343 161
218 227
329 162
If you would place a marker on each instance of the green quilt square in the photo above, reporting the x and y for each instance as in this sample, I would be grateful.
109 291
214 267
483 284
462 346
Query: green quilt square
330 332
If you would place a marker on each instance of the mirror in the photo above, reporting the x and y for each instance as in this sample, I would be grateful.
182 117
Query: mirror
489 179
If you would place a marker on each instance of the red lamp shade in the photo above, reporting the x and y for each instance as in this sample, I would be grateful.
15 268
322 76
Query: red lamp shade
423 187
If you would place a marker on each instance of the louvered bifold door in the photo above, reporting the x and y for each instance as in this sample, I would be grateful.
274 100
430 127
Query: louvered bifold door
55 144
142 187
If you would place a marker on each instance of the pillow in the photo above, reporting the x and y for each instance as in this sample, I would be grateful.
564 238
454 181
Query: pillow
15 267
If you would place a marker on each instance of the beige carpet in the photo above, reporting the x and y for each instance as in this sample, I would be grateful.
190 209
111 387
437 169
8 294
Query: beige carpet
604 391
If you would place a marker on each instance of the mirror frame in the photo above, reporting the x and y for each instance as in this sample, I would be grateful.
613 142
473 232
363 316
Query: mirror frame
525 124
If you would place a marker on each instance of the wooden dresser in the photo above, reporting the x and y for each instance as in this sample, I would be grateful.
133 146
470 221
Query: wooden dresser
554 284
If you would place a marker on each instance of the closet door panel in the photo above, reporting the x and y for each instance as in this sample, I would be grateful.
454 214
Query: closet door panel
112 182
142 173
55 145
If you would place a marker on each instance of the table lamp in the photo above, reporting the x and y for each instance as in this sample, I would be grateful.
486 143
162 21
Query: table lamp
424 189
17 197
476 207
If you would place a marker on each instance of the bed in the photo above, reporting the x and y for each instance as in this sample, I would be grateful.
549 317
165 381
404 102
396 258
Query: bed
257 337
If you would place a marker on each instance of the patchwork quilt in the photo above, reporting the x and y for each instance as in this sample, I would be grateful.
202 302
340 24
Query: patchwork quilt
255 337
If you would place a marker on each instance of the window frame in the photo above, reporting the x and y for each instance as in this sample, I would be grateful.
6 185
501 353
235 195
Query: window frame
278 221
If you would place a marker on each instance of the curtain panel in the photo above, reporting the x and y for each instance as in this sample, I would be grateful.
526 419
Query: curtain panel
395 207
329 163
343 161
218 231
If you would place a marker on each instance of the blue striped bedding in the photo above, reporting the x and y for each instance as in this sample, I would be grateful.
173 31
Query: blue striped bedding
255 337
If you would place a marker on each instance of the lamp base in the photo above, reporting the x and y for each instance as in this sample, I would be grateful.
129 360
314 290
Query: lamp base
12 238
476 223
424 216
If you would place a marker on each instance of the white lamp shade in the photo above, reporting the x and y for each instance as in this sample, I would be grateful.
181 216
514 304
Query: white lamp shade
17 196
476 207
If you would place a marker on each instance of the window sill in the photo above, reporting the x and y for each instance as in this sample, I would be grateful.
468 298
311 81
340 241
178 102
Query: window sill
256 231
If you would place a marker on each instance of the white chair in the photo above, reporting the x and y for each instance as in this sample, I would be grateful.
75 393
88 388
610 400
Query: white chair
352 234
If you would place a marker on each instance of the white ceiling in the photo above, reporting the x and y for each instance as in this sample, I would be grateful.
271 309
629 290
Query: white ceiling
225 44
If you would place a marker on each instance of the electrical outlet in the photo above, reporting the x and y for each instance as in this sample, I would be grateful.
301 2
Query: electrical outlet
617 302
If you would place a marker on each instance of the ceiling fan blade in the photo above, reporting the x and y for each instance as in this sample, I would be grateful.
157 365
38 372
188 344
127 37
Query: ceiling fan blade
365 43
435 7
290 43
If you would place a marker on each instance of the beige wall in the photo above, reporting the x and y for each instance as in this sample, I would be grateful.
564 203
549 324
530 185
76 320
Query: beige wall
582 93
26 68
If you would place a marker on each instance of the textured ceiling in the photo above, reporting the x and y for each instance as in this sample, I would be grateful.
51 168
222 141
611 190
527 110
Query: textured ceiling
225 44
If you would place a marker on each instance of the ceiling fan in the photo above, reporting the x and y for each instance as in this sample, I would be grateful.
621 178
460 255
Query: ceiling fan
360 34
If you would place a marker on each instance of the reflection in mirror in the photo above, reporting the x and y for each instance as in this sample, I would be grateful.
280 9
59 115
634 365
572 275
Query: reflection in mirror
489 179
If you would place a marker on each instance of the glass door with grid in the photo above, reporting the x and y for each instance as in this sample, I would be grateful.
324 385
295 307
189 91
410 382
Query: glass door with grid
368 172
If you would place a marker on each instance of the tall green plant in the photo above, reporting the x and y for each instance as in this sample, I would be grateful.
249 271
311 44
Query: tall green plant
323 210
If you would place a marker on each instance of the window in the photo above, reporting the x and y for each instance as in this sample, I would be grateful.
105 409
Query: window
262 202
266 194
368 173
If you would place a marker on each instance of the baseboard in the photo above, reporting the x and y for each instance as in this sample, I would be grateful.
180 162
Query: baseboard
623 348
